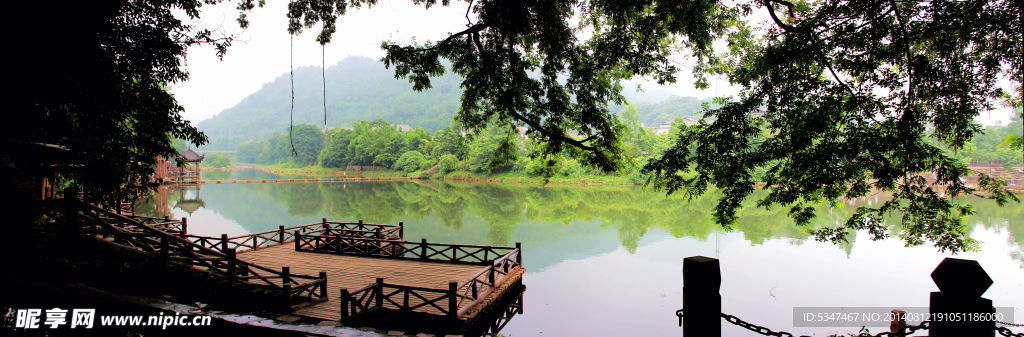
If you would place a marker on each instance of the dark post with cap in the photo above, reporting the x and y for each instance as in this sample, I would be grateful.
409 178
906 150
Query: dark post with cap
961 283
344 298
702 303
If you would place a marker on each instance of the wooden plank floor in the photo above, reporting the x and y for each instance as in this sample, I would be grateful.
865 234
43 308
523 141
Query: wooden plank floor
354 272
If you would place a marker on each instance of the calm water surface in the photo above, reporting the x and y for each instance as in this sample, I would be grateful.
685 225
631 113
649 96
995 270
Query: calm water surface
606 261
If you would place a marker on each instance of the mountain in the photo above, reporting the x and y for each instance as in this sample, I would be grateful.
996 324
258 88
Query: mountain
358 88
666 111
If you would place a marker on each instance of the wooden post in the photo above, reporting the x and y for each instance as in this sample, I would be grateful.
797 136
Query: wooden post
296 236
473 286
379 298
453 307
223 242
898 326
165 254
376 233
323 284
961 284
232 261
344 298
490 274
401 230
184 227
519 253
405 300
702 303
280 234
286 275
423 248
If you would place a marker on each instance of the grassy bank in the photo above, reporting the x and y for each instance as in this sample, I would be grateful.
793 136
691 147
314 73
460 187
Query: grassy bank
507 177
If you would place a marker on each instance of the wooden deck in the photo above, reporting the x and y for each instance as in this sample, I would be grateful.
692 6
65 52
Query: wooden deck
354 272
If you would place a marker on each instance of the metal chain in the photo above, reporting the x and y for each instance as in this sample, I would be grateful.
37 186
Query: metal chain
1006 332
755 328
769 332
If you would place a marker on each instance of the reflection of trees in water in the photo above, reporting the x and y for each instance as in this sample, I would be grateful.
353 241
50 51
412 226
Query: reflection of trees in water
301 199
630 211
1011 217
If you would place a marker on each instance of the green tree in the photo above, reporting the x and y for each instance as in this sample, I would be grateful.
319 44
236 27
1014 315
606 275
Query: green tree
819 72
216 160
447 141
249 151
335 152
307 141
96 84
409 161
828 132
376 143
447 164
417 139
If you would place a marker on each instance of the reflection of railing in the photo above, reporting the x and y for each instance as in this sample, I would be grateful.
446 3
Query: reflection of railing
452 302
284 234
115 229
493 323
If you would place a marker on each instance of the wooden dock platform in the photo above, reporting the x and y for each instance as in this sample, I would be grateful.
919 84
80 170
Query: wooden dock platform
354 272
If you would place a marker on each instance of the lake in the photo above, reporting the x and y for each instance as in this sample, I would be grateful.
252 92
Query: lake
607 260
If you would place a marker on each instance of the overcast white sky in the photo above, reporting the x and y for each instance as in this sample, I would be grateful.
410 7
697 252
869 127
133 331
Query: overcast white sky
261 52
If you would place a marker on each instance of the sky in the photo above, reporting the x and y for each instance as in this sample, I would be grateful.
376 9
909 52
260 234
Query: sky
260 52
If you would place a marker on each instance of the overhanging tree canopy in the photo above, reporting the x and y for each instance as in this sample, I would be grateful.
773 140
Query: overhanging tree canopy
851 91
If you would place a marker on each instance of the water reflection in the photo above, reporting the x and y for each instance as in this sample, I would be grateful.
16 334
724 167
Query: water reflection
606 260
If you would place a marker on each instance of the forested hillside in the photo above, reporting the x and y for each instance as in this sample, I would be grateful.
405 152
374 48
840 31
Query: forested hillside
358 88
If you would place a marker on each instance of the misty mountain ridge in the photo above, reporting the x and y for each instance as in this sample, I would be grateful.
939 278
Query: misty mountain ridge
360 88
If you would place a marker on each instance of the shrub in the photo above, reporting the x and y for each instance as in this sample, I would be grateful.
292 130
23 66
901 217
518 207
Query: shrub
409 161
448 163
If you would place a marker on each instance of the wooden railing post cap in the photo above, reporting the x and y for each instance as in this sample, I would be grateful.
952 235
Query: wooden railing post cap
961 277
702 271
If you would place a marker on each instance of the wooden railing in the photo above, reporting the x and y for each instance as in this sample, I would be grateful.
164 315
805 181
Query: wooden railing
452 302
488 278
380 295
283 234
169 249
410 250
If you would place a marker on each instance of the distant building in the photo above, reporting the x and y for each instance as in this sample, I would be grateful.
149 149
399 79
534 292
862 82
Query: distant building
665 127
403 127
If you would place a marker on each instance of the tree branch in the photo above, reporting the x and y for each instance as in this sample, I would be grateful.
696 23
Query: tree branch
783 25
472 30
536 126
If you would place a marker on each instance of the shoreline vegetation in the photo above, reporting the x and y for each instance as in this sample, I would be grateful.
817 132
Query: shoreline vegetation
506 177
378 148
288 170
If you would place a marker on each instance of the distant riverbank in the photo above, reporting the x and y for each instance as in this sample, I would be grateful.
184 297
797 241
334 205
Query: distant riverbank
509 177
